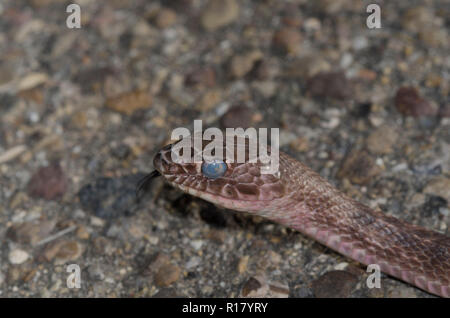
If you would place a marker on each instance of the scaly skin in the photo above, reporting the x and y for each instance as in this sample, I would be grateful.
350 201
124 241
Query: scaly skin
299 198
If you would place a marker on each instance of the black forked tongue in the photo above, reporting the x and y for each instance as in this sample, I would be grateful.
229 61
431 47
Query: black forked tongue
143 184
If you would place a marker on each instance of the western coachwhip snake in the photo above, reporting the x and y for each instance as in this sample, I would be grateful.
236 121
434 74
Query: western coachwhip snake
301 199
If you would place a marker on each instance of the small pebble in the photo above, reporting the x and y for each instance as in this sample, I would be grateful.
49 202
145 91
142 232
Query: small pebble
445 111
238 116
63 251
287 40
197 244
49 183
30 232
416 18
410 103
241 65
219 13
242 264
383 140
128 103
167 275
209 100
193 262
266 69
32 80
433 205
18 256
438 186
334 284
82 232
259 287
359 167
203 76
330 84
165 18
96 273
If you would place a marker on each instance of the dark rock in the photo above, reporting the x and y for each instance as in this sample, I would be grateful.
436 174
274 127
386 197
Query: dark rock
334 284
121 151
330 84
211 215
445 111
428 122
410 103
6 102
180 5
48 183
260 287
90 78
109 198
237 116
181 204
432 205
362 110
250 285
125 40
287 40
303 292
359 167
205 76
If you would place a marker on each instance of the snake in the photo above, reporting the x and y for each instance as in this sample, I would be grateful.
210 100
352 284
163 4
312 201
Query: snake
299 198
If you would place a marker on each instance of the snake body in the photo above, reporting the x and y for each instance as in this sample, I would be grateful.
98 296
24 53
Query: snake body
301 199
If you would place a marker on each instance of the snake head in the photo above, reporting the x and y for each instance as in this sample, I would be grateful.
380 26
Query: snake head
239 186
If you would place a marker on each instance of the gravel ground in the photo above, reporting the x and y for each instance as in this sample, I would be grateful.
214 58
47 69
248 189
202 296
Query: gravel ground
83 111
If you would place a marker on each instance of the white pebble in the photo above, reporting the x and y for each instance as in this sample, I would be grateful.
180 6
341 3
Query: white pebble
341 266
95 221
360 42
346 60
18 256
193 262
197 244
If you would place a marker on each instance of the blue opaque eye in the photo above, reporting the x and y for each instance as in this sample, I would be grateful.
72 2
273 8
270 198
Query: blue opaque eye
215 169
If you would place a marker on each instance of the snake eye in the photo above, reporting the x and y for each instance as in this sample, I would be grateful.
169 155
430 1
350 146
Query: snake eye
213 170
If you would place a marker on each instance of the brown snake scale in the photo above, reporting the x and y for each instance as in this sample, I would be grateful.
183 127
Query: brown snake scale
301 199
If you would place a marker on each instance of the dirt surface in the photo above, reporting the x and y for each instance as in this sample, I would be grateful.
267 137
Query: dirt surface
83 111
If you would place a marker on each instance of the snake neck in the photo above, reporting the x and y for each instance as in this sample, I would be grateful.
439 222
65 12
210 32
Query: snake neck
408 252
317 209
